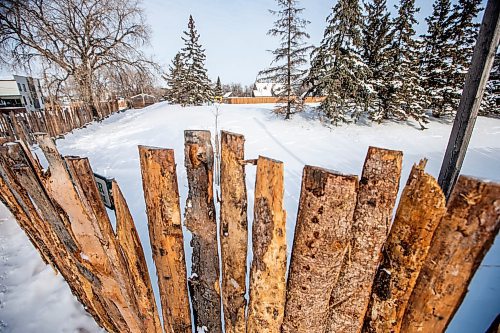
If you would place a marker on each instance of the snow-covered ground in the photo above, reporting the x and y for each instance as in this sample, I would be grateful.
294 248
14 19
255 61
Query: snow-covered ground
33 299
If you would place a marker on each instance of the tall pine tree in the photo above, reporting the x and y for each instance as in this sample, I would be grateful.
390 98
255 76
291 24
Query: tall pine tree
196 85
437 68
491 99
290 57
377 37
405 93
337 70
174 78
218 88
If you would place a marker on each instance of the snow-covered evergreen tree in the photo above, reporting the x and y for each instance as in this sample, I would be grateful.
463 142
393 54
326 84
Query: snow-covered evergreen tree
196 85
174 80
405 95
491 99
337 70
218 92
437 68
377 37
287 68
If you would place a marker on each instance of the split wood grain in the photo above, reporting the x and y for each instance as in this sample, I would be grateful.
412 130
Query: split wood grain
200 220
233 231
460 242
377 194
161 193
322 234
268 269
421 207
131 247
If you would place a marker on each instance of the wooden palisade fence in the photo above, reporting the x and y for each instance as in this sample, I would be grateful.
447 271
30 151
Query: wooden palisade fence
20 124
351 270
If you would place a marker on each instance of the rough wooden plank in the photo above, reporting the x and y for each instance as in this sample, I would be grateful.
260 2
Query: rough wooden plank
372 218
322 234
161 193
472 95
421 207
460 242
95 244
131 247
38 214
233 231
200 220
267 275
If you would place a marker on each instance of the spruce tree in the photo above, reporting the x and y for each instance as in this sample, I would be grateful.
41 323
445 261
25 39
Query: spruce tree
437 68
337 70
218 92
377 37
405 94
196 85
290 57
175 80
491 99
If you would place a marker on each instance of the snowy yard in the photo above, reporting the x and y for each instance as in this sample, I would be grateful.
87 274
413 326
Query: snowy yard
33 299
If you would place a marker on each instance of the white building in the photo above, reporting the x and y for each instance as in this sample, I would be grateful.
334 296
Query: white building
267 89
22 91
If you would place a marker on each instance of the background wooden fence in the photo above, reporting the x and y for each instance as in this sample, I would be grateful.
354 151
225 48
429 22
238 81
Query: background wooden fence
352 269
263 100
20 124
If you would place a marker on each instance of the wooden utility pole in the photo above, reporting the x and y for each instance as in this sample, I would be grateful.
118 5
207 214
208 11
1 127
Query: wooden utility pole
475 82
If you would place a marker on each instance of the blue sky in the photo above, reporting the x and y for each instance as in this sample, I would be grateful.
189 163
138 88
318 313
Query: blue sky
233 32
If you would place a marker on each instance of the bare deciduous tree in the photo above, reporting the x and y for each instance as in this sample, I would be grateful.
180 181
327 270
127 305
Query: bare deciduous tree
76 40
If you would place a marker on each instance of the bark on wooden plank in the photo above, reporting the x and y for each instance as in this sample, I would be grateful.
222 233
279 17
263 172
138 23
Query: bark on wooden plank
88 232
372 218
131 247
84 182
460 242
268 270
322 234
38 214
233 231
200 220
161 193
421 207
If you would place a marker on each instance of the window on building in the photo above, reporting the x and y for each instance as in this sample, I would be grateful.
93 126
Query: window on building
31 101
24 99
19 87
24 87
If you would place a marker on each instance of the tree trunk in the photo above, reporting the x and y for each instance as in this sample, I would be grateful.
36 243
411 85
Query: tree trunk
421 207
233 231
322 235
131 247
460 242
200 220
267 276
372 218
159 180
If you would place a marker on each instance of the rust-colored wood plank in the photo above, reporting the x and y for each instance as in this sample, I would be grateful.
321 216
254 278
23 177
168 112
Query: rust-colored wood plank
233 231
377 194
421 207
268 270
322 234
159 180
460 243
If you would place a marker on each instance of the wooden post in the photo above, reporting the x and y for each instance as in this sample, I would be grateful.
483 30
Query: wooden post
322 235
268 270
200 220
131 247
461 241
421 207
159 180
233 231
470 102
377 194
